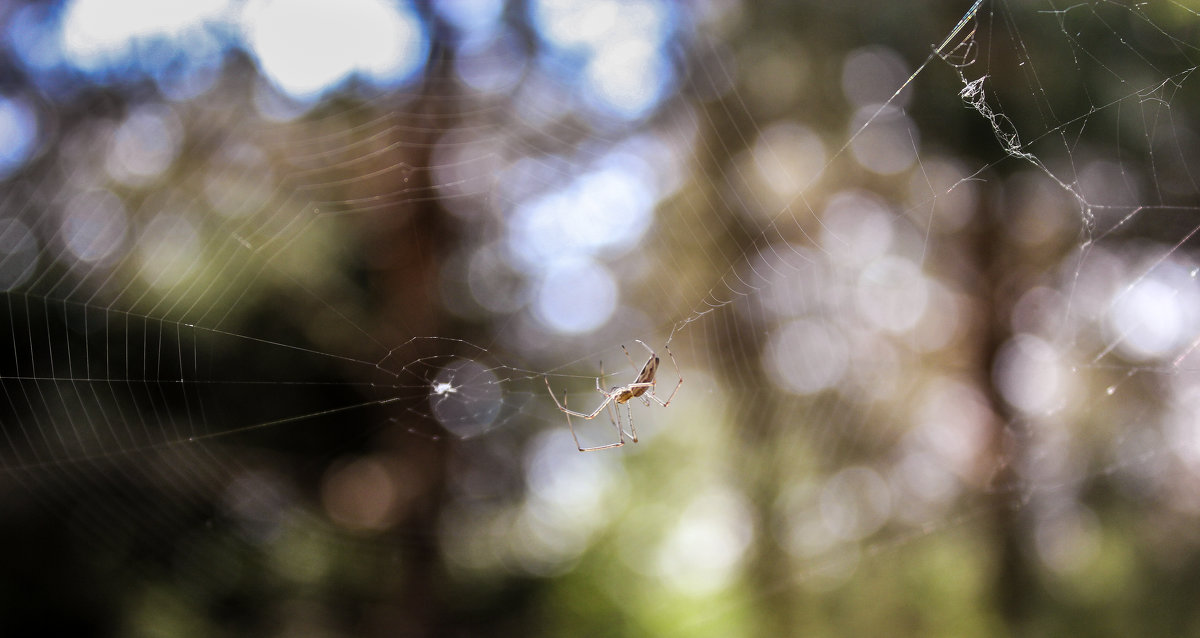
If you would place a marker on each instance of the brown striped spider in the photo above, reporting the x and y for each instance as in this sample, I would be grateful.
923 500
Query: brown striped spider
641 388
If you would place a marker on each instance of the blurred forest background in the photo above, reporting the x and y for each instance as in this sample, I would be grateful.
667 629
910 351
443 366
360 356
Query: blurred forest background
286 281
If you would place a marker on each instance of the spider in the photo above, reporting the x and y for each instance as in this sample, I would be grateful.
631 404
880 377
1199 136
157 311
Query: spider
641 388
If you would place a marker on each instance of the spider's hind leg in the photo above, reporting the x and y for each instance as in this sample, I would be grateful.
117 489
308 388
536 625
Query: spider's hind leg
629 415
614 416
620 433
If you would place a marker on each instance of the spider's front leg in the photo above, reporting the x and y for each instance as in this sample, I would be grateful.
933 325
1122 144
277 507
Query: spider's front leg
564 409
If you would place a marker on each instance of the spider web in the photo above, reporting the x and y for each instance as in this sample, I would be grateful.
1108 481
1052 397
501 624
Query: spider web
931 290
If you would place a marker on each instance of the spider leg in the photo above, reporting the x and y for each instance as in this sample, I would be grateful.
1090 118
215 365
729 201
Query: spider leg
630 359
620 434
648 348
607 399
654 396
614 417
632 430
